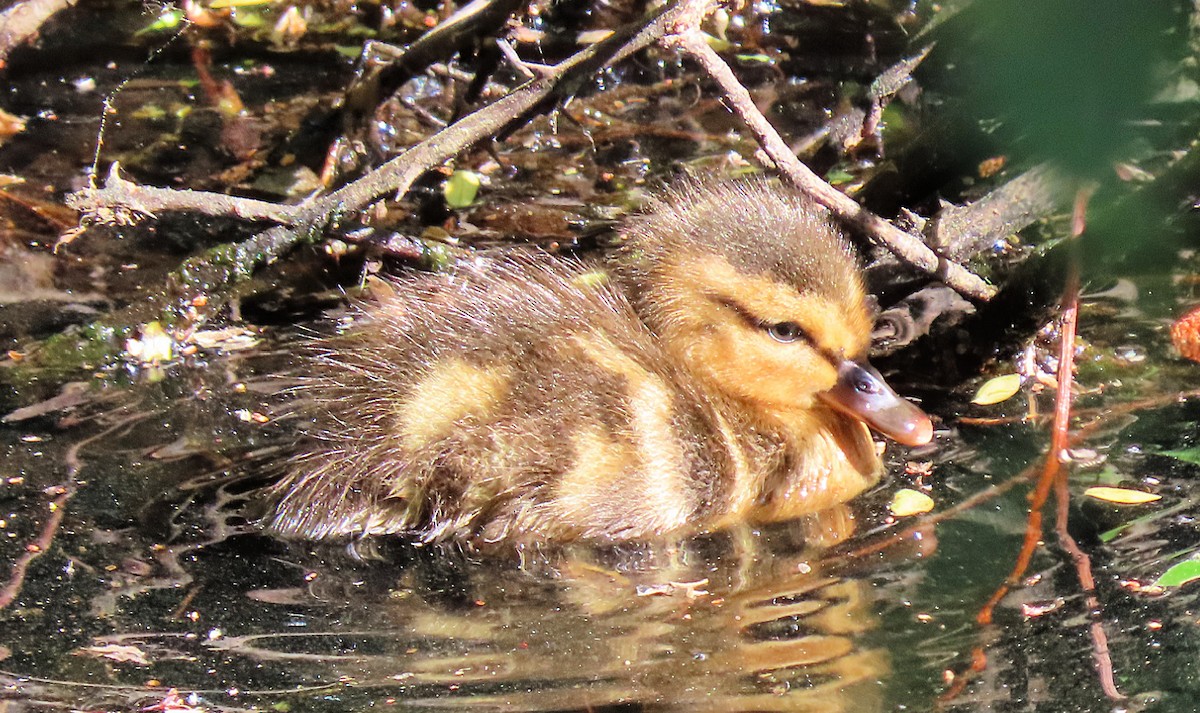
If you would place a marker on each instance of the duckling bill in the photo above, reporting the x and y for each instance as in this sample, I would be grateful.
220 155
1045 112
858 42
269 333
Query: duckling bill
718 376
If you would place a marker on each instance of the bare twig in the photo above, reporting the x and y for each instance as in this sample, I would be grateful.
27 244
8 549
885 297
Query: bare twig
907 247
37 548
148 200
1066 361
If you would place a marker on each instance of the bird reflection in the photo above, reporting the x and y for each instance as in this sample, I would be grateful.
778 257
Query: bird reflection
745 620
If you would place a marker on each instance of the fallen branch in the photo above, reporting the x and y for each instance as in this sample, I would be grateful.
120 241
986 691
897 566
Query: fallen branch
124 202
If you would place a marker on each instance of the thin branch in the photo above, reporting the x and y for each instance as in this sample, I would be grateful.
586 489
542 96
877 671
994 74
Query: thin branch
120 195
1066 361
907 247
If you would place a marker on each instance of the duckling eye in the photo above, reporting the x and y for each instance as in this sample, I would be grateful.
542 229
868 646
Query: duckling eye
785 332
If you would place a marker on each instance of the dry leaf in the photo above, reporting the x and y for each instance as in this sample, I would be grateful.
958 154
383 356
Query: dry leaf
1001 388
10 125
230 339
907 502
116 652
1121 496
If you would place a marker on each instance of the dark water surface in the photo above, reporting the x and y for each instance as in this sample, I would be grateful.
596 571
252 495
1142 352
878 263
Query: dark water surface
153 580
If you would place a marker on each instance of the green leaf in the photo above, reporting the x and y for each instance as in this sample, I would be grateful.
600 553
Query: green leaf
754 59
1001 388
1187 455
1179 574
718 44
461 188
249 20
838 176
168 20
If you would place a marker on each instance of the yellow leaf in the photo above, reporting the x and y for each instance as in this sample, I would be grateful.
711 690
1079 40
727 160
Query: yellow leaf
908 502
1001 388
1121 496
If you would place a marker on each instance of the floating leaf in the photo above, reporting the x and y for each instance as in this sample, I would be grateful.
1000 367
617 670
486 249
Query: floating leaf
1187 455
1179 574
908 502
461 188
1121 496
1001 388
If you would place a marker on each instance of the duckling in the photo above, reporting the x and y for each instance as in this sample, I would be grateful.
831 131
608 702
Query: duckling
718 375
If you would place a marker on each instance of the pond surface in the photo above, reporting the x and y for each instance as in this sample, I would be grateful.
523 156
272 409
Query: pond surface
134 570
134 578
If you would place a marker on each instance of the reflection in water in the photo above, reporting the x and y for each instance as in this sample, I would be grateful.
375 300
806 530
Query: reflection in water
728 623
738 622
156 578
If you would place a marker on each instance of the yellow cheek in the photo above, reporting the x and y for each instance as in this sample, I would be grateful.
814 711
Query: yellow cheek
754 367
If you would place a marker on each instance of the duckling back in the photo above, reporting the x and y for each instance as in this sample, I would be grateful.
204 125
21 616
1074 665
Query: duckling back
513 398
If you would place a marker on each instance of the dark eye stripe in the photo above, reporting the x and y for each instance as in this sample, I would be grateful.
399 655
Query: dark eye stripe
783 332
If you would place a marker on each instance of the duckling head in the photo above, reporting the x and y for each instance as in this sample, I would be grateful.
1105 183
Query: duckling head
754 291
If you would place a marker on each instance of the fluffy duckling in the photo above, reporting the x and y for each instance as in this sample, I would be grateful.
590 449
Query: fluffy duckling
718 376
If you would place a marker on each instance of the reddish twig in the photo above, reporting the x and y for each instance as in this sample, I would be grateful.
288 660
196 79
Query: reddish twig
1083 563
35 549
1054 477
